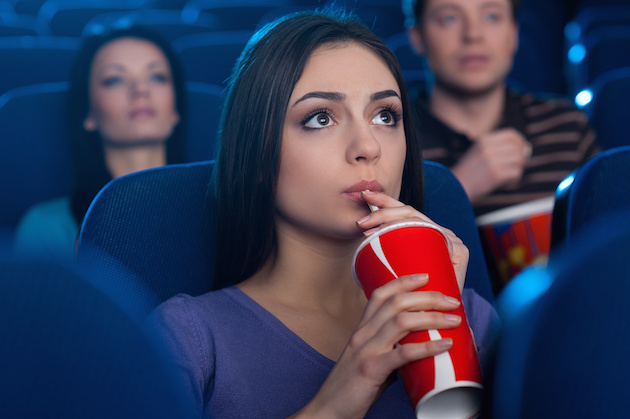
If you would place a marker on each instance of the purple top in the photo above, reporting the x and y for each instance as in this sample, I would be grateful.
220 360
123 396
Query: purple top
237 360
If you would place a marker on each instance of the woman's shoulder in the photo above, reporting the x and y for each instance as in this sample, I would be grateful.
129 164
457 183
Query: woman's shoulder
51 209
213 307
47 228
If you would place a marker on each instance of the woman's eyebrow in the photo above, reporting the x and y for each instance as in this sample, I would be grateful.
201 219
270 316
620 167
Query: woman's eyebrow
383 95
335 96
156 64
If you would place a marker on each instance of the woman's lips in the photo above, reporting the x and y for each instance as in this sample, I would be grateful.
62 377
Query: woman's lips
353 193
142 113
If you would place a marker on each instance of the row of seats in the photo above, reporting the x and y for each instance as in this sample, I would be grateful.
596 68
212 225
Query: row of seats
597 67
74 17
539 65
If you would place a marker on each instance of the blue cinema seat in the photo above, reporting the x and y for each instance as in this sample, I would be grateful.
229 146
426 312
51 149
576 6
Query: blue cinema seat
203 113
69 17
14 24
168 23
35 162
600 187
38 59
74 345
563 349
210 57
604 49
609 107
159 223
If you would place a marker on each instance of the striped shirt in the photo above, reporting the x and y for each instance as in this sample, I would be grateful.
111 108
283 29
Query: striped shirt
561 139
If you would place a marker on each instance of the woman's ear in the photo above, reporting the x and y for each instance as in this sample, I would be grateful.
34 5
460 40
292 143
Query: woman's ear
415 40
89 123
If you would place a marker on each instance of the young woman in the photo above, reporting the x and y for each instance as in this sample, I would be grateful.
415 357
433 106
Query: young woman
124 106
315 126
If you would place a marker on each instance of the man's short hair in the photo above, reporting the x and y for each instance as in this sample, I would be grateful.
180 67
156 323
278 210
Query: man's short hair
414 9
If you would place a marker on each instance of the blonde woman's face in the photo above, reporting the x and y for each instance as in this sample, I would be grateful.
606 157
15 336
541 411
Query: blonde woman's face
132 96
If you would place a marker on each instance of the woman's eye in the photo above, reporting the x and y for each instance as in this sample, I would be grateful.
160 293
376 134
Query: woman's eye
384 118
321 120
159 78
112 81
448 19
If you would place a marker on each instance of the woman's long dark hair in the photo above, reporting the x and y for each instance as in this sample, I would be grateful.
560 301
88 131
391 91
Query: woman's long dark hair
251 130
88 158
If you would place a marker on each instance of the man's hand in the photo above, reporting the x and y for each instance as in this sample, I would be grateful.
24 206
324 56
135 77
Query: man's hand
495 159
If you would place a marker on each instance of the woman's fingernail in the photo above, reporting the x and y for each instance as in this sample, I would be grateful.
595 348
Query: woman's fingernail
364 219
420 277
368 192
451 300
371 231
453 318
445 343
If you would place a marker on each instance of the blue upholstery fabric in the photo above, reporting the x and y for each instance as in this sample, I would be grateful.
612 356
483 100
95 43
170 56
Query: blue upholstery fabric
565 353
35 162
606 48
601 186
210 57
608 110
68 17
446 203
203 113
168 23
73 346
38 59
159 223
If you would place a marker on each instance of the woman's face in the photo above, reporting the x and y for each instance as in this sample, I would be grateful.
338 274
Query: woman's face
343 133
132 98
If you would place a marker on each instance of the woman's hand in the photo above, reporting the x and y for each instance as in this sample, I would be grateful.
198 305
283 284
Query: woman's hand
373 353
391 211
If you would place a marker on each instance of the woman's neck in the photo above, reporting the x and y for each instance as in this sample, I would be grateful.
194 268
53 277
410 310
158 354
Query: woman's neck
472 115
310 289
122 161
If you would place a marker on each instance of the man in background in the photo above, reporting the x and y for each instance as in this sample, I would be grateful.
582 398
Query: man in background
505 147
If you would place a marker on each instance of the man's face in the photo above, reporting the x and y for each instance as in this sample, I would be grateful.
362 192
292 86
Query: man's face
470 44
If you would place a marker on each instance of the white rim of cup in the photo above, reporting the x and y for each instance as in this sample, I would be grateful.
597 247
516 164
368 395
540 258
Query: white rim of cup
391 227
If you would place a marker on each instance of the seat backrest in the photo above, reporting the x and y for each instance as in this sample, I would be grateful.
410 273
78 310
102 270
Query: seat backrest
446 203
407 58
605 49
14 24
40 59
168 23
233 15
69 17
203 113
35 162
74 346
608 109
590 18
210 57
562 355
595 190
159 223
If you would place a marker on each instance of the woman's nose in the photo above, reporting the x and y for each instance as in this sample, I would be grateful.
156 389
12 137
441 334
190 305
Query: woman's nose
139 88
364 146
